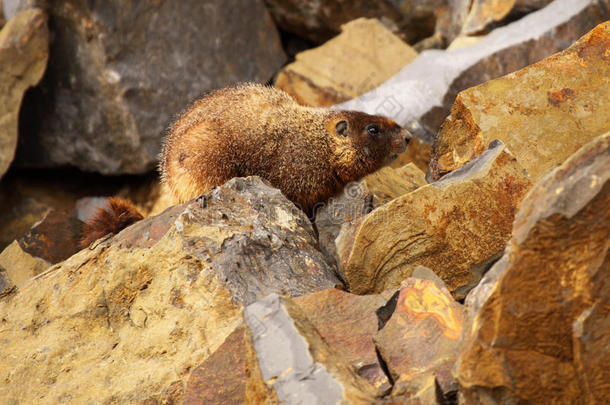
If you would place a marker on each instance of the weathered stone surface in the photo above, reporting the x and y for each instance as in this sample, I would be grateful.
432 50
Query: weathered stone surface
24 50
420 340
359 59
293 364
113 324
119 71
540 331
127 319
456 227
54 238
253 238
360 198
21 266
348 322
221 378
420 96
17 219
543 113
319 21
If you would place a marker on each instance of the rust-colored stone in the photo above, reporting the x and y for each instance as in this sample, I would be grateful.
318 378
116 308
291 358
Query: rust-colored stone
543 113
456 227
348 322
221 378
539 329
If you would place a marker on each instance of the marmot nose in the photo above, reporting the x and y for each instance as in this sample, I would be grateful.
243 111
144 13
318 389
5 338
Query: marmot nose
406 135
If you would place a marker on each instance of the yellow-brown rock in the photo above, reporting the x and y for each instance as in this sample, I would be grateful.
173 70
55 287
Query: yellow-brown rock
359 59
543 113
24 50
539 331
112 324
21 266
455 227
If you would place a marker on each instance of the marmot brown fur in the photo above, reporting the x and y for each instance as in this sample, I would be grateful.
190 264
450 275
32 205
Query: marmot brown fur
308 153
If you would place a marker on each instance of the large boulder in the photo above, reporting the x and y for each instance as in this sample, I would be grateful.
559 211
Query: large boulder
126 319
119 71
456 226
24 50
420 96
543 113
539 330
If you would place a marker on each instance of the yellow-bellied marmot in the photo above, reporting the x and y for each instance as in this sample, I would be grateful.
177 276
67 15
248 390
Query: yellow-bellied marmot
308 153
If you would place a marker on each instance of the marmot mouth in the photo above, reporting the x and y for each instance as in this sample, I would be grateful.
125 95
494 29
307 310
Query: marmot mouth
393 157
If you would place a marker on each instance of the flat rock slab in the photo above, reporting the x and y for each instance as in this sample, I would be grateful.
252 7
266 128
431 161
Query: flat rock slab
290 363
543 113
359 59
24 50
457 227
119 71
538 329
420 96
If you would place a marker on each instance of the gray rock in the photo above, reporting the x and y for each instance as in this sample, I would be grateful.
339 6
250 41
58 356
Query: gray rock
420 96
119 71
253 239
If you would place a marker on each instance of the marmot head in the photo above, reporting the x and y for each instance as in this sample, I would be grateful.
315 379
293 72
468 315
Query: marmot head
362 143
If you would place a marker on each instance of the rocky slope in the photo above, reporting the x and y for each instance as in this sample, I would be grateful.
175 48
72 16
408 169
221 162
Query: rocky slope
484 284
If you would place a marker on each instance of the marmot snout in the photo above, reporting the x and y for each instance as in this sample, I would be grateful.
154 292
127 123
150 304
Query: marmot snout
308 153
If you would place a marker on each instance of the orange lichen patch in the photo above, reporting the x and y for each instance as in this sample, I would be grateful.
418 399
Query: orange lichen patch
422 299
558 97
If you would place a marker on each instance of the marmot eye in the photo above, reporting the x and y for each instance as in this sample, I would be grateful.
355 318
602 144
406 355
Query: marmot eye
373 129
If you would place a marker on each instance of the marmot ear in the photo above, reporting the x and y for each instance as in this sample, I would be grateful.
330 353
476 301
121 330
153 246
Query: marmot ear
341 128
